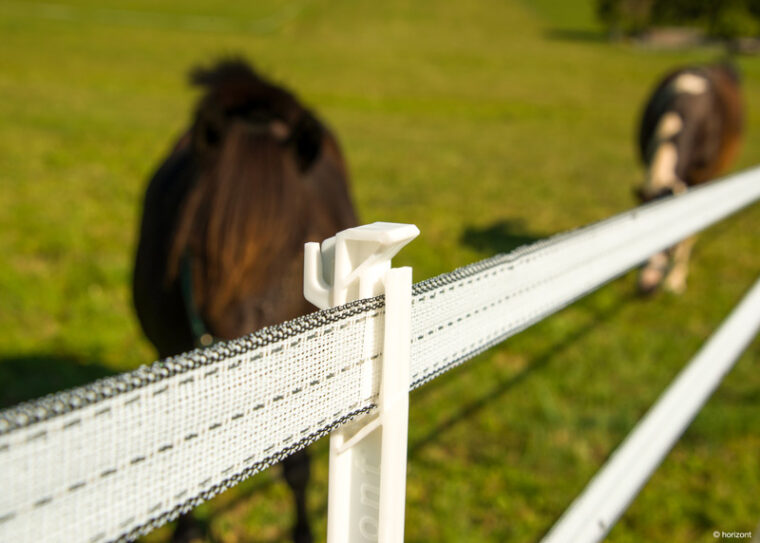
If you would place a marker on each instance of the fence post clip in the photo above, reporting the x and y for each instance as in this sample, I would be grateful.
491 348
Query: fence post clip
367 483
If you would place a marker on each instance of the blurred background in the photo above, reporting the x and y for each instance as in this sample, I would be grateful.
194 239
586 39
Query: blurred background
488 124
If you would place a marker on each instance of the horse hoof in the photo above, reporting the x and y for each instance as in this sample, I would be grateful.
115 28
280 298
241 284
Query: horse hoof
675 288
650 279
646 289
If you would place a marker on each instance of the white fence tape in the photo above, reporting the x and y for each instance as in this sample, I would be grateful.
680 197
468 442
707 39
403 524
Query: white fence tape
114 459
595 512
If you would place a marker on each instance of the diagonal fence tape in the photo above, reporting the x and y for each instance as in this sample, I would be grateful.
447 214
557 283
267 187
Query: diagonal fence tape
457 315
114 459
125 454
596 510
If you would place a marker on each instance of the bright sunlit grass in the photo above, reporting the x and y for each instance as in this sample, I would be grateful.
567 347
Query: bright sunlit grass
487 124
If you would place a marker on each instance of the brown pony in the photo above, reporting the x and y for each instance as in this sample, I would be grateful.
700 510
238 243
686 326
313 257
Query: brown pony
224 222
690 133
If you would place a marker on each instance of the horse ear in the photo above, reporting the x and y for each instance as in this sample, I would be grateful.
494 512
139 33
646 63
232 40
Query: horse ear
211 120
307 138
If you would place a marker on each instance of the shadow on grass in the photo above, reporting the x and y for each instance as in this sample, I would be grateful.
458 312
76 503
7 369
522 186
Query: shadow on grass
505 385
254 487
500 237
29 376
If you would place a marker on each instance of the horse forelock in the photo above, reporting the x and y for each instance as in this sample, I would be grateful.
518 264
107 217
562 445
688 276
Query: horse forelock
233 89
234 92
242 221
270 176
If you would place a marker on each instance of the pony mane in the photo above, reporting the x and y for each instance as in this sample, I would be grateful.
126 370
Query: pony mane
244 218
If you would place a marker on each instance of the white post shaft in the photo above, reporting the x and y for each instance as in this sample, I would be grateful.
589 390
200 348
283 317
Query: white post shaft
367 486
366 496
394 403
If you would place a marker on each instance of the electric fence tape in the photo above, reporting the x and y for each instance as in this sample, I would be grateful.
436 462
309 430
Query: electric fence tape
117 458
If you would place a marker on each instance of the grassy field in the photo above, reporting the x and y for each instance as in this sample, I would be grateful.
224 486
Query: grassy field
488 124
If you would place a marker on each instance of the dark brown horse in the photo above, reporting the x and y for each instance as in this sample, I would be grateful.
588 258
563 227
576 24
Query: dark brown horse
690 133
225 219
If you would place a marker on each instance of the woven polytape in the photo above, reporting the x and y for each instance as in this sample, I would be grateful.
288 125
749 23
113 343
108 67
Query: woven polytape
460 314
121 456
143 448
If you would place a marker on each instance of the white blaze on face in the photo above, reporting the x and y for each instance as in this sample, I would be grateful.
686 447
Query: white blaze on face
670 124
662 169
662 172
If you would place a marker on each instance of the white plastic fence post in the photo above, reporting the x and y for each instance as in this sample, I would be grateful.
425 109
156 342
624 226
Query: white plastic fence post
367 484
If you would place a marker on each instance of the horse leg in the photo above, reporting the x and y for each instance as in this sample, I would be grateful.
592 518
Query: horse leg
188 529
676 279
653 272
297 468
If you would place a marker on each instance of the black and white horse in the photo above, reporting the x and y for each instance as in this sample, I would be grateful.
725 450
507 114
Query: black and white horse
690 133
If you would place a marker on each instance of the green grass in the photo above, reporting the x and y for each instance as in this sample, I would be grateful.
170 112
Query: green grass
486 124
